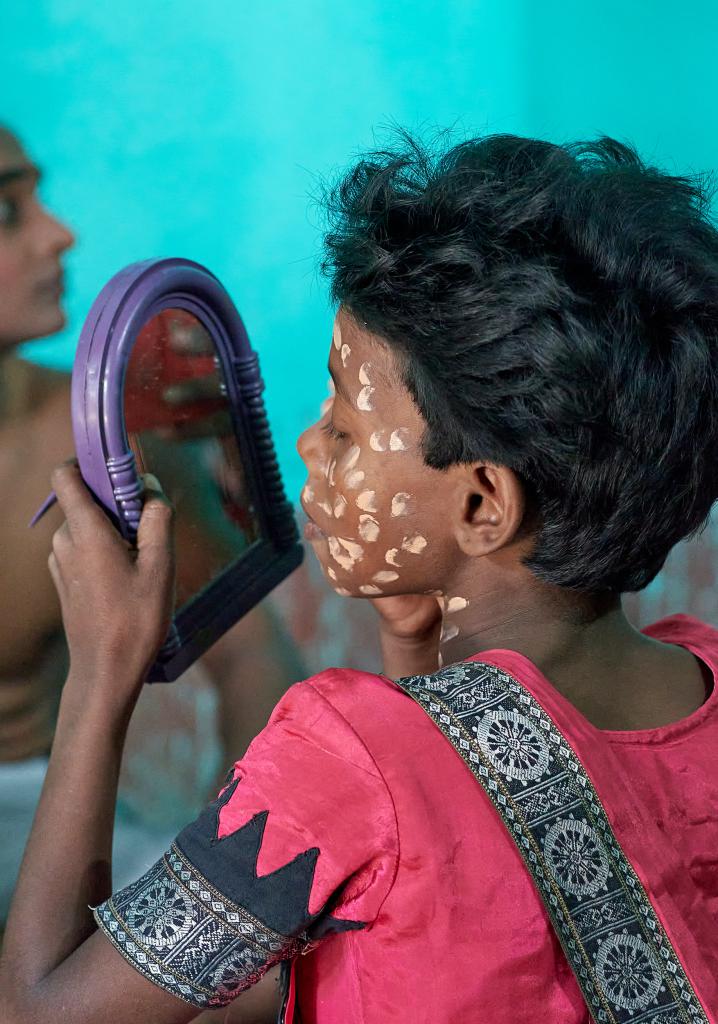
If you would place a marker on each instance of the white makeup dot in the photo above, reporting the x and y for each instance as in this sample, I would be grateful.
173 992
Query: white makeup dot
339 556
354 479
330 472
325 507
366 501
345 353
399 503
377 441
368 528
398 440
352 457
415 544
372 591
337 336
331 574
364 401
448 633
354 550
456 604
385 576
308 493
390 557
364 373
340 506
342 592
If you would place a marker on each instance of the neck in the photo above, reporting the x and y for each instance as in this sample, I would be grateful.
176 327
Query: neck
567 636
13 389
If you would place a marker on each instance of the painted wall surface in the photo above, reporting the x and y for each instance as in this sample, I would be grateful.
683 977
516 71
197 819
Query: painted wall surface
200 129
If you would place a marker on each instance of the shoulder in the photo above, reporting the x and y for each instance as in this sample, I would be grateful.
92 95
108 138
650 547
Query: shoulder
334 710
686 631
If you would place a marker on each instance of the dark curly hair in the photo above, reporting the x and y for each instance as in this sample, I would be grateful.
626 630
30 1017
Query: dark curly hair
555 310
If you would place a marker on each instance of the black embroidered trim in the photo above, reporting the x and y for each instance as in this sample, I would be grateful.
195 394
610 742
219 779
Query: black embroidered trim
179 931
622 958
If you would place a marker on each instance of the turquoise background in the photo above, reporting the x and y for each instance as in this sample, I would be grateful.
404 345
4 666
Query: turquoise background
200 129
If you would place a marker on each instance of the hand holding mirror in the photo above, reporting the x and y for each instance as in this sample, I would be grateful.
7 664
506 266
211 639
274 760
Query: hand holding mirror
165 381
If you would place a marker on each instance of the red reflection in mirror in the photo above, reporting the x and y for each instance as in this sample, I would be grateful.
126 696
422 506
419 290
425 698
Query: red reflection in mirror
172 348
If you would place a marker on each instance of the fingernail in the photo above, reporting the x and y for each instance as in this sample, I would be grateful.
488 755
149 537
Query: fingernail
152 482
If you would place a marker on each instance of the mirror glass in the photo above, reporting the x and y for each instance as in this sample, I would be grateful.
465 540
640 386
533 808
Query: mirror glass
179 425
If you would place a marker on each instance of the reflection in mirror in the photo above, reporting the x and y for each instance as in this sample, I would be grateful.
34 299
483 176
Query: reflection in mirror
179 426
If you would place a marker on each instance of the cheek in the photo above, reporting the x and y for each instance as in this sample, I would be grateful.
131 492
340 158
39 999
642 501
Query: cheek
12 278
380 539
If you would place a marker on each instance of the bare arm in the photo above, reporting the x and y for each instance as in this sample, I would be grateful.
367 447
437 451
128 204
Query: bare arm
116 610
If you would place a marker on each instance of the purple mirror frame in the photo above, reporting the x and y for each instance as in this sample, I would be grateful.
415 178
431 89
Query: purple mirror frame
107 463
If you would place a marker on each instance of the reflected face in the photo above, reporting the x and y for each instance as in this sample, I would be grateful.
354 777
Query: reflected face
32 243
374 506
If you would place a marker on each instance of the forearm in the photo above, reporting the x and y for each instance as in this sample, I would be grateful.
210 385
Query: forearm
67 863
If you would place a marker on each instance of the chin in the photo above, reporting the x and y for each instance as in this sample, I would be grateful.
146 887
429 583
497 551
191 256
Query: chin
47 326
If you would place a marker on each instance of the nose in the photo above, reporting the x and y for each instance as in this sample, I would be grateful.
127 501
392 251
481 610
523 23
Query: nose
307 444
53 237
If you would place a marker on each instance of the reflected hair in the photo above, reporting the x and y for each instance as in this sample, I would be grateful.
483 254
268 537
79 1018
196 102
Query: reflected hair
555 310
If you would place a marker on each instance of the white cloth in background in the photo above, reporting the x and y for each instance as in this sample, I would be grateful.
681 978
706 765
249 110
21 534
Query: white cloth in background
135 844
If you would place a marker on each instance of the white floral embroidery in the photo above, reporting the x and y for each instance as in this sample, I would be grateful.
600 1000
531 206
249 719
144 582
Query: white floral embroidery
514 746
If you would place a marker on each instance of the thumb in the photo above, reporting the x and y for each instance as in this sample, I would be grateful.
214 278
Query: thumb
155 535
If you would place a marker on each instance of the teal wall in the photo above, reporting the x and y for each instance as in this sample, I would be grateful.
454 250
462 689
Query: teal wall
198 129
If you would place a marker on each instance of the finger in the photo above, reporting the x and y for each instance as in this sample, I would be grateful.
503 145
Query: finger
55 572
155 535
76 501
61 542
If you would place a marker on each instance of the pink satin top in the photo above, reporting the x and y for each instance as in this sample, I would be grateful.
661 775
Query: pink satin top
410 847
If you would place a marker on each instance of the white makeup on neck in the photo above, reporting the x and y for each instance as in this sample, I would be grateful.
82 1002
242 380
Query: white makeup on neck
448 632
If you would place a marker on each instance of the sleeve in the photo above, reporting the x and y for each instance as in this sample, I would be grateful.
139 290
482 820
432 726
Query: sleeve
300 845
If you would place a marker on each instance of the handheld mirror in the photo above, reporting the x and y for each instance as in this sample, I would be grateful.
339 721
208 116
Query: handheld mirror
165 381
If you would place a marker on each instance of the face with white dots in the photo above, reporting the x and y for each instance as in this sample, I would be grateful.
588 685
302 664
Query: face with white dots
374 506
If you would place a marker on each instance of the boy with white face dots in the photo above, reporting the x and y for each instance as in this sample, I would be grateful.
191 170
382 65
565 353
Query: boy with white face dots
534 327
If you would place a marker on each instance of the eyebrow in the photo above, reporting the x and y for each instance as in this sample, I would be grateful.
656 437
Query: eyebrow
13 174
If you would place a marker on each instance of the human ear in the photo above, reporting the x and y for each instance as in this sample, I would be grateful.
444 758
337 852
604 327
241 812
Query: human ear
490 508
